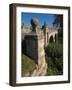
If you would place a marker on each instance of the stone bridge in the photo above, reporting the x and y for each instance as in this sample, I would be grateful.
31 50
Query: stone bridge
50 34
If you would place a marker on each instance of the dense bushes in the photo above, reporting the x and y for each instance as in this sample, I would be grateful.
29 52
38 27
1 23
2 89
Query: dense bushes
54 58
54 50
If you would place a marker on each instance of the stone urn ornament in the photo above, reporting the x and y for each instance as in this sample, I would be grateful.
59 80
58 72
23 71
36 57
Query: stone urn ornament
34 23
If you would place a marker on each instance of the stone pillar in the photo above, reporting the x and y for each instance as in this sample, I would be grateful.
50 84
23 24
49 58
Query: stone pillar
45 27
32 46
56 38
41 51
35 45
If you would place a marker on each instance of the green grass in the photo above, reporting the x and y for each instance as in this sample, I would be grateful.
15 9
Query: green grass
28 64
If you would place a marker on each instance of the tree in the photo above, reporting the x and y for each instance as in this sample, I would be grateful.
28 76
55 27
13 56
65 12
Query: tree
58 23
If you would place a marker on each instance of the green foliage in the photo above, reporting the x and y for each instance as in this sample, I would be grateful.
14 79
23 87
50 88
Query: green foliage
54 58
60 40
27 64
58 21
54 50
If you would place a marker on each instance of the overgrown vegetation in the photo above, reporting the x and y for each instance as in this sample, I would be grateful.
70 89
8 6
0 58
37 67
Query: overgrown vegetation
54 58
28 64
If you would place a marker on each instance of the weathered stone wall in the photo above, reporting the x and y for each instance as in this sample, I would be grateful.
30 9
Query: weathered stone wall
32 47
35 47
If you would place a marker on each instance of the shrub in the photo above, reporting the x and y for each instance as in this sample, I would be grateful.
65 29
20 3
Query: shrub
54 50
54 58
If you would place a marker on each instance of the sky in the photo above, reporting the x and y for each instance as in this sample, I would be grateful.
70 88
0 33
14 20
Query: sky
26 18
